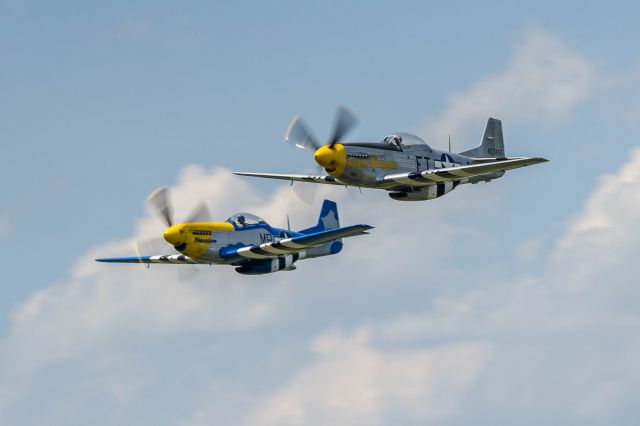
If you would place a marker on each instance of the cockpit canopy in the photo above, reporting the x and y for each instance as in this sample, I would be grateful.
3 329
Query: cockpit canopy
394 140
403 140
241 220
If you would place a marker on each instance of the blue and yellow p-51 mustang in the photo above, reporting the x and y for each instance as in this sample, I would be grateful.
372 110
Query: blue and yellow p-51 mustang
245 240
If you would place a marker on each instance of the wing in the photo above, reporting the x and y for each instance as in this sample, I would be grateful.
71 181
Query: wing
330 180
176 258
430 177
293 245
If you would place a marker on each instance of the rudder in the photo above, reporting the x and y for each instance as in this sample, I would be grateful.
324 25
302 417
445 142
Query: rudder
492 145
328 218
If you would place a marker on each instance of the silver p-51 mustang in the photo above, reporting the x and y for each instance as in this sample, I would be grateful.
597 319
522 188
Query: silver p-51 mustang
401 163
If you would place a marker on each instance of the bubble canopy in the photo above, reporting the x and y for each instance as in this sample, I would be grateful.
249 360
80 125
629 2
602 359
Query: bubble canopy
240 220
406 139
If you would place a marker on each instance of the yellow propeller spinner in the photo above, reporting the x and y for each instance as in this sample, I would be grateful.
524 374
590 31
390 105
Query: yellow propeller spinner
175 235
332 158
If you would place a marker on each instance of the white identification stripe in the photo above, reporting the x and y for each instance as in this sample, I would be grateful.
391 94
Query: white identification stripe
432 175
268 247
246 252
171 259
460 172
291 244
404 180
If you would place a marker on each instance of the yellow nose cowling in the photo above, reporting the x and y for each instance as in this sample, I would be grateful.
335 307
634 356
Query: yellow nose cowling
174 235
333 159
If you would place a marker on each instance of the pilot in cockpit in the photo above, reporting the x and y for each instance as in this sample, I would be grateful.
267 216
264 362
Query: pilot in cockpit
241 221
395 141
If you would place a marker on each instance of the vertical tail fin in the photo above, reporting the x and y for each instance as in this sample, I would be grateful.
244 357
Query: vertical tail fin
492 145
328 218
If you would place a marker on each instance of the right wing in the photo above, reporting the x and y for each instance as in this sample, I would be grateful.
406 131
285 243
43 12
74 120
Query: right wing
330 180
293 245
449 174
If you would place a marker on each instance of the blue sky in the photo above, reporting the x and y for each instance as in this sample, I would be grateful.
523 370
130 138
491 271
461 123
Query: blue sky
498 302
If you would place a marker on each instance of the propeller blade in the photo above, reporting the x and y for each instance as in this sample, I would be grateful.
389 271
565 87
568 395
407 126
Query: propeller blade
299 134
153 247
345 121
200 214
159 200
306 192
187 273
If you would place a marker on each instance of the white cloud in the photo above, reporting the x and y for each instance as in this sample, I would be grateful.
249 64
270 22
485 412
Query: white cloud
544 82
604 232
353 383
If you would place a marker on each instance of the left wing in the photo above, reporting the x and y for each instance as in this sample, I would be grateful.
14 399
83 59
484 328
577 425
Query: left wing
175 258
298 178
293 245
448 174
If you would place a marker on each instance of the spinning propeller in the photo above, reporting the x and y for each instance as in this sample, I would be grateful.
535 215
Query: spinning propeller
331 156
159 201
